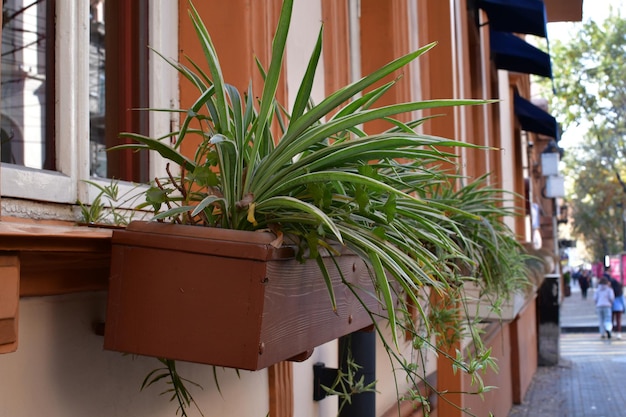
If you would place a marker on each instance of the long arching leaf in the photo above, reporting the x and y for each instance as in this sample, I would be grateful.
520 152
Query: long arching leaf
160 147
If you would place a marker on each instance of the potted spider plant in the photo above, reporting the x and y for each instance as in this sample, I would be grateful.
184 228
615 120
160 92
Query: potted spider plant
495 272
284 230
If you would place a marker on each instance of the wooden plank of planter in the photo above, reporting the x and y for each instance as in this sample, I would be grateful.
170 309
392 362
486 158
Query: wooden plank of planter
57 258
9 301
235 302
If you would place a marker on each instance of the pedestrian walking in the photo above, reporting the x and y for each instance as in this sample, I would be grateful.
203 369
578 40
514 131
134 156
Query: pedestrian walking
584 281
604 297
618 305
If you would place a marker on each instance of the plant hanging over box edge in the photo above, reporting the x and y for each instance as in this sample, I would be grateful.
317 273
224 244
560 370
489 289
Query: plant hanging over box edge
315 175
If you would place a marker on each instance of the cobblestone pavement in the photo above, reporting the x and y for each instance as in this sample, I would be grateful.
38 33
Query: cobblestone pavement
544 397
578 314
589 380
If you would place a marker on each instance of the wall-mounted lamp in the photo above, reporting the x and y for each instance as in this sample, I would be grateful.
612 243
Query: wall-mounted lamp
555 186
555 183
549 164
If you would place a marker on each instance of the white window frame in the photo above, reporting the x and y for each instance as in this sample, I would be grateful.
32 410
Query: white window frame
67 184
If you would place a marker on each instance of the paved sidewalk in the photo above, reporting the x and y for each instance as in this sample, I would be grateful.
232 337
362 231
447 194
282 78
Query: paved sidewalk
589 380
586 383
578 314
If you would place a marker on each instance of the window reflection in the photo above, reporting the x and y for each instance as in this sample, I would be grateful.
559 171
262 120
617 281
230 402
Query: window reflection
118 77
97 142
26 121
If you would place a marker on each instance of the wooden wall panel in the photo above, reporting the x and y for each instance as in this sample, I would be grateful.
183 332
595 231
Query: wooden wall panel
241 30
280 377
9 300
384 37
497 401
436 67
524 357
336 40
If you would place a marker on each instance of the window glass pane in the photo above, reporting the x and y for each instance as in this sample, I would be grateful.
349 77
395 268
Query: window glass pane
27 113
118 72
98 163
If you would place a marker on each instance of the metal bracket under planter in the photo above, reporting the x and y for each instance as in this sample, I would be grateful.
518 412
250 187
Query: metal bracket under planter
226 297
322 376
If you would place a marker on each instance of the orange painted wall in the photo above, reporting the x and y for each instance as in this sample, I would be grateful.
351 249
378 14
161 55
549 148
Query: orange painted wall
9 301
514 349
336 45
436 66
241 30
384 37
438 76
477 159
524 357
497 401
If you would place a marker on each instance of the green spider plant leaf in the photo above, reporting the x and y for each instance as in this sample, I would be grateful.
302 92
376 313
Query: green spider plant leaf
158 146
288 149
290 203
221 121
271 80
382 284
207 201
173 212
306 86
335 99
327 281
330 176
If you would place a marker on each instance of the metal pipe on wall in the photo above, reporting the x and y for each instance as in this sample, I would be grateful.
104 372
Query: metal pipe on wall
362 346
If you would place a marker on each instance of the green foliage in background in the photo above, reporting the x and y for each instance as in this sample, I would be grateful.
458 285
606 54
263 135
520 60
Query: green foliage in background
591 100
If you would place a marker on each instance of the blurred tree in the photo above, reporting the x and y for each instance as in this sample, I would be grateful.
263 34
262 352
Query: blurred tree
590 84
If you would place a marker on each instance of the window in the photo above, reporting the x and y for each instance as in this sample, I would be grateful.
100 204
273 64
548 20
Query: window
97 91
114 91
97 74
27 87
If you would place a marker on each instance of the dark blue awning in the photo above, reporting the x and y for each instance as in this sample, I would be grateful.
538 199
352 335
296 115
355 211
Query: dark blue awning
517 16
534 119
511 53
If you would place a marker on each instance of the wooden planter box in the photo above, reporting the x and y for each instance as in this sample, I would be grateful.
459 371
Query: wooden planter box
225 297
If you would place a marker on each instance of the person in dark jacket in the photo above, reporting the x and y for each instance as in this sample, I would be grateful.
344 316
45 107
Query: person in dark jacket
584 281
618 305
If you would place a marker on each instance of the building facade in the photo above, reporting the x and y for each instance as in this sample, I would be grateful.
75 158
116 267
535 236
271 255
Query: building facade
73 75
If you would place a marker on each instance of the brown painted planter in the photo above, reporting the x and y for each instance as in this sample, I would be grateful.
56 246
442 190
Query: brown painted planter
225 297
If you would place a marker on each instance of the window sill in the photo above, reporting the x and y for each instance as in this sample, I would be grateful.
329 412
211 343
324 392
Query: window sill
56 257
47 258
